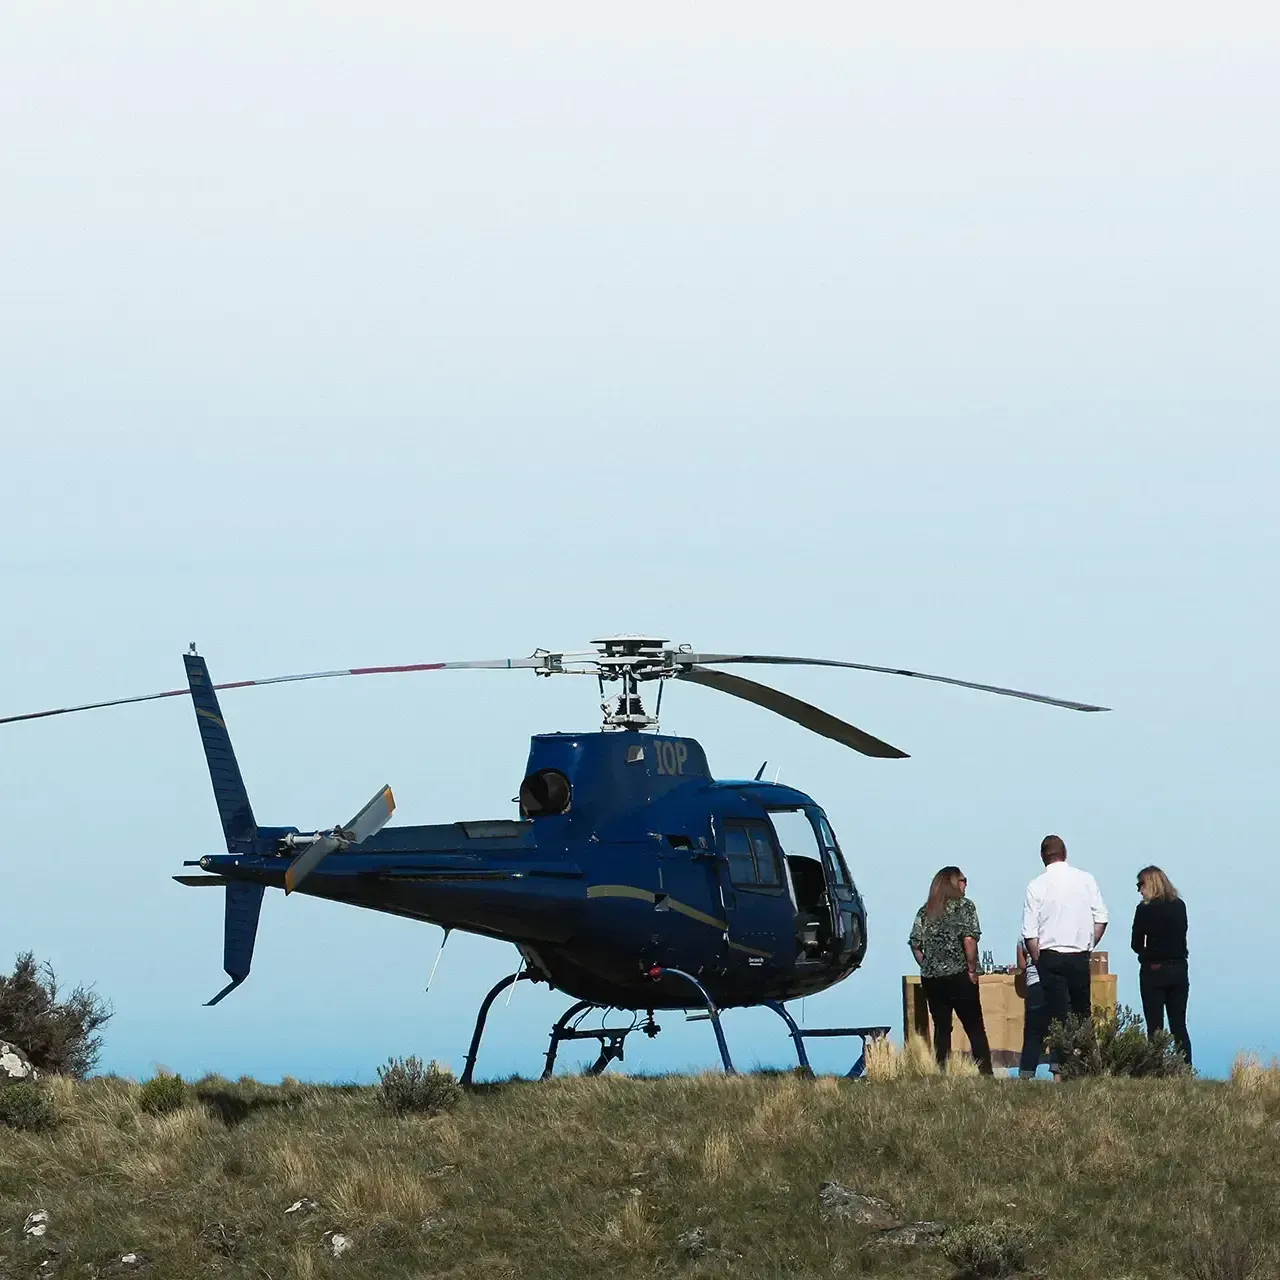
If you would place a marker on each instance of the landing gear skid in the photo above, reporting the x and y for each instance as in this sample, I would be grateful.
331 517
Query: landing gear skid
798 1036
612 1039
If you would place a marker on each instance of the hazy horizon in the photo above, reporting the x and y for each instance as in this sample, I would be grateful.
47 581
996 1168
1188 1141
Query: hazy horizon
336 336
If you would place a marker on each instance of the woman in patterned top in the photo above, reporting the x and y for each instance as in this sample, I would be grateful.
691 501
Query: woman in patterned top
944 941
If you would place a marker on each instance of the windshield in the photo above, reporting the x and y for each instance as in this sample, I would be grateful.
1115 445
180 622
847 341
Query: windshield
831 851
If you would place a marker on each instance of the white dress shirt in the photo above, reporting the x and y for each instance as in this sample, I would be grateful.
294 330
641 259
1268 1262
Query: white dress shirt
1061 908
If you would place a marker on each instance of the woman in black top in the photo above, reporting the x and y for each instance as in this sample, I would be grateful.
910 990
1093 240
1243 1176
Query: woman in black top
1160 939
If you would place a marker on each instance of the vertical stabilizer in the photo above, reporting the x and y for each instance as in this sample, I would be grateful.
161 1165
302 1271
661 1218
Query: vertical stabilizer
234 810
240 929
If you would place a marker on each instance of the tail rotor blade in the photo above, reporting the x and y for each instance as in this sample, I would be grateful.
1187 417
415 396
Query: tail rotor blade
803 713
373 817
308 860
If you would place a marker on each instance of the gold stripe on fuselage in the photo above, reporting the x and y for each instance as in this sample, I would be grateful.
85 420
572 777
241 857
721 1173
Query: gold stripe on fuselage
672 904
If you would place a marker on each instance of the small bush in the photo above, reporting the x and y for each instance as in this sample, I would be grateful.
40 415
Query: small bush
26 1105
404 1084
58 1033
1113 1043
162 1095
982 1251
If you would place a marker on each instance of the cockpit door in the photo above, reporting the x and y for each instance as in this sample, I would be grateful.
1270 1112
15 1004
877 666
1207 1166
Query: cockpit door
847 909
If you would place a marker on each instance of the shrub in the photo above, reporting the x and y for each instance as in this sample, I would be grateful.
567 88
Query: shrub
991 1251
26 1105
58 1033
1113 1043
404 1084
162 1095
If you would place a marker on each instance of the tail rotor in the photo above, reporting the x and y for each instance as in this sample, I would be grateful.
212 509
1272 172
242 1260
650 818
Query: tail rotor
318 846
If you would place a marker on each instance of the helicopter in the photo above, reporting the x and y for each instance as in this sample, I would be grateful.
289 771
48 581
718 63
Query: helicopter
633 881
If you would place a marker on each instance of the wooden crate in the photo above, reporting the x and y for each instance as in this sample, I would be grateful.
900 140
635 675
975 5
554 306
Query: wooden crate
1003 1011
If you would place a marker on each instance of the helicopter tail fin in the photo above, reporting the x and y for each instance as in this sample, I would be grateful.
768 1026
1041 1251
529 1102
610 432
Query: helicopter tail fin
234 810
240 930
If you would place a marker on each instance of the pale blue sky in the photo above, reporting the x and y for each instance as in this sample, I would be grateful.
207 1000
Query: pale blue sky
335 336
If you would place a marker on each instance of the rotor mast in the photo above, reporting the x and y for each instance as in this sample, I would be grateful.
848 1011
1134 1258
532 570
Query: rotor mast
630 659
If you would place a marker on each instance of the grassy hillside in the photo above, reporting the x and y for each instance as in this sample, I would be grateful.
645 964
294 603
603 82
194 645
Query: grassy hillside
585 1178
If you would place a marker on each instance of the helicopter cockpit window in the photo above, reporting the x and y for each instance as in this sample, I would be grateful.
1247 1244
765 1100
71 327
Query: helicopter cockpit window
831 850
737 849
545 793
748 846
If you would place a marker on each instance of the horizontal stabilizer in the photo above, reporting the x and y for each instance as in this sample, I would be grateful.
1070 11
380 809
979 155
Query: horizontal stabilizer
198 882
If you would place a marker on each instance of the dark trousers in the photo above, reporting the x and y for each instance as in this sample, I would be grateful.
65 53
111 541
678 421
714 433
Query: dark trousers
1035 1026
1064 979
1165 987
957 993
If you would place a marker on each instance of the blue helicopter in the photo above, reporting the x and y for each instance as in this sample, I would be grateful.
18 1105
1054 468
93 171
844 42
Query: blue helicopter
632 881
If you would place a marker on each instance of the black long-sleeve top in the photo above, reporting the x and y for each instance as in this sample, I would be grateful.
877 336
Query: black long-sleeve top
1160 931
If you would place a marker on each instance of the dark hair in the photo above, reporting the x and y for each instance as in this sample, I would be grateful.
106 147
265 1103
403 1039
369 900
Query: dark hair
945 887
1053 848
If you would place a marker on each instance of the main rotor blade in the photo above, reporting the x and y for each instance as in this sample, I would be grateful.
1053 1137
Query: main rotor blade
490 664
705 659
810 717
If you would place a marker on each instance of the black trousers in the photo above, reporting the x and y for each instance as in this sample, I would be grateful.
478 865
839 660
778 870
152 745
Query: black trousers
1034 1028
1165 987
1065 975
957 994
1064 983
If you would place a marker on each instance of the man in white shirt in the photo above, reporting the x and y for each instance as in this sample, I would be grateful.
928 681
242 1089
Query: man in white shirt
1063 919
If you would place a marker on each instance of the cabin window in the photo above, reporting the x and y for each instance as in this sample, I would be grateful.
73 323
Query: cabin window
766 858
750 851
737 849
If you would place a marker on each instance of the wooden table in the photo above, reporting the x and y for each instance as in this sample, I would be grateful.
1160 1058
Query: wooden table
1003 1012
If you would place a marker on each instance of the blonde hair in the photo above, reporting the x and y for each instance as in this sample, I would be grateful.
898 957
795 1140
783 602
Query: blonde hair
1154 884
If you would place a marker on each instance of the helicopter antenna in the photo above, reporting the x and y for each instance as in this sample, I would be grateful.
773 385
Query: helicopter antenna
431 977
760 772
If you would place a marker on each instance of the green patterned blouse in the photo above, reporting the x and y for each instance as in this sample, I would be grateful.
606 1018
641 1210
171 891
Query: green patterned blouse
942 940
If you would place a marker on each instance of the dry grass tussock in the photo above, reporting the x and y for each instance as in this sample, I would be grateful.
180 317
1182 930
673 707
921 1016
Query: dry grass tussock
887 1060
588 1178
1251 1076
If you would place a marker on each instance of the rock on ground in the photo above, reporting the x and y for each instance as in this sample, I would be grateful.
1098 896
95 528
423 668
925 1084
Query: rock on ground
337 1243
15 1066
846 1205
913 1233
694 1243
36 1225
